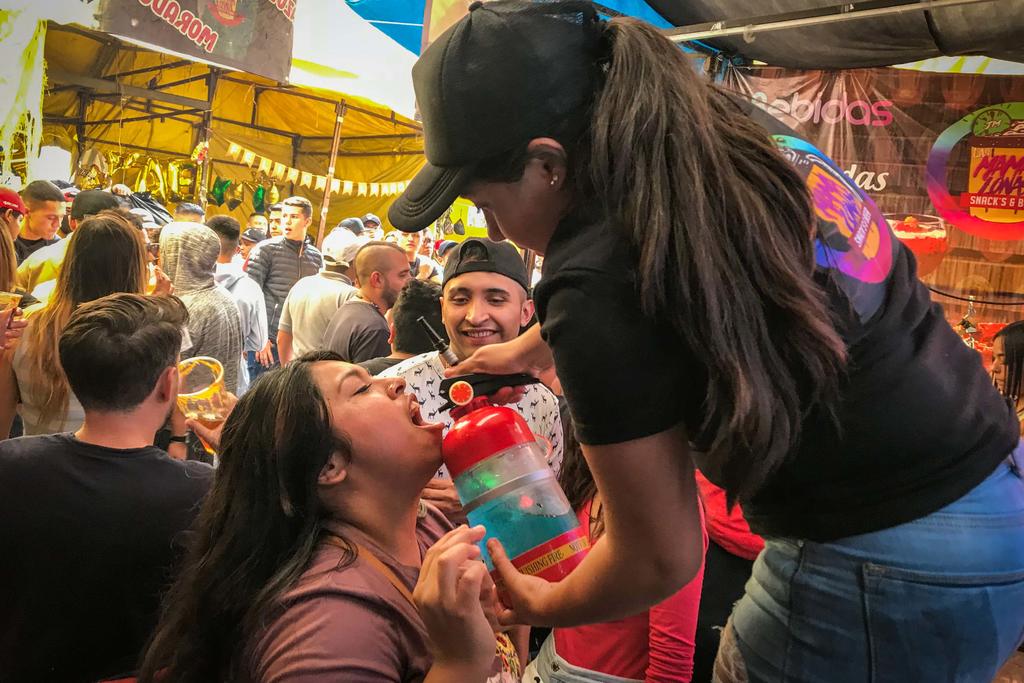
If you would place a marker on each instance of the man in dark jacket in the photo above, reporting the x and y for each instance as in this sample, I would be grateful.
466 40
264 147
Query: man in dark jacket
278 263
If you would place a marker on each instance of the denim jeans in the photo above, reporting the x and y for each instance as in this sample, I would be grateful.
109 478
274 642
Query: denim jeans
937 599
255 367
549 667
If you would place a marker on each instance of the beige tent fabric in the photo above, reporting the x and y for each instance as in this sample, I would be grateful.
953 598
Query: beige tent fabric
394 155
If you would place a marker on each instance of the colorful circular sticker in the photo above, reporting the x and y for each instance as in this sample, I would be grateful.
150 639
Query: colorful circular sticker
853 237
992 207
461 393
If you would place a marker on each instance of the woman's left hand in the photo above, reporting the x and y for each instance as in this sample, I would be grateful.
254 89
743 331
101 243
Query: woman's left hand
523 597
14 329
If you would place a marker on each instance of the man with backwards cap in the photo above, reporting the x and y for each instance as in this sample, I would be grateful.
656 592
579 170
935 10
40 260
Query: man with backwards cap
485 300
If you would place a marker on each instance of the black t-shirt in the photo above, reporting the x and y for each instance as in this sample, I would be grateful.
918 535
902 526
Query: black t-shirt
358 332
23 248
88 536
921 423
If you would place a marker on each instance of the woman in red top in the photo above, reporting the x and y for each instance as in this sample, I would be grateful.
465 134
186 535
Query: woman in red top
654 645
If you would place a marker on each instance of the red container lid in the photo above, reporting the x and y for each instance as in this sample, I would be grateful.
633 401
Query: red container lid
482 433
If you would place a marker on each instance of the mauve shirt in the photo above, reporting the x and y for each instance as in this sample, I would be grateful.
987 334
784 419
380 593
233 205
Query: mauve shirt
351 624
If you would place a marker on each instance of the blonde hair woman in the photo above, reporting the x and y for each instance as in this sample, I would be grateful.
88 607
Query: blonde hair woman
106 255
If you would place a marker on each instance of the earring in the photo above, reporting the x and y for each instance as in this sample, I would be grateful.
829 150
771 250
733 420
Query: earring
554 180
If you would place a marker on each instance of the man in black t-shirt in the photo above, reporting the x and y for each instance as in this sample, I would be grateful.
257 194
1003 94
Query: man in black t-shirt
93 521
46 206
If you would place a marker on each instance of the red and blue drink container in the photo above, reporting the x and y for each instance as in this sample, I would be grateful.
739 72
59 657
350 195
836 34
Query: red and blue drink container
505 484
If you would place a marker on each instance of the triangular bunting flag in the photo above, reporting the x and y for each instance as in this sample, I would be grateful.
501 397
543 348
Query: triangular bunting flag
264 166
292 175
346 187
335 186
321 182
279 171
248 157
234 149
374 189
306 180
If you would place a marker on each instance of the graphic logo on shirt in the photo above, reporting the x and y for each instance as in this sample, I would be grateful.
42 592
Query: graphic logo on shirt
853 237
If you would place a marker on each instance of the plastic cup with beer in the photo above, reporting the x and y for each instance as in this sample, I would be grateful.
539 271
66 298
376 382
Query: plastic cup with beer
201 394
9 301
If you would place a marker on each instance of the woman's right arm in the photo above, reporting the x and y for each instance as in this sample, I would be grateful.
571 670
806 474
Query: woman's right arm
650 548
627 380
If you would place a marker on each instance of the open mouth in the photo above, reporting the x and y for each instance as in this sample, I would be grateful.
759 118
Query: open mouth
417 417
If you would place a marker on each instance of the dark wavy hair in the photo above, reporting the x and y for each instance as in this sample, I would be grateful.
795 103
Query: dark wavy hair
722 230
255 534
576 479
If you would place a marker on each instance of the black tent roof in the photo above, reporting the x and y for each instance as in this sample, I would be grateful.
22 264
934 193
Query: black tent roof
882 36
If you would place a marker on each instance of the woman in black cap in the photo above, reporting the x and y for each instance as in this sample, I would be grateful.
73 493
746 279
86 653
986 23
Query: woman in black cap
717 296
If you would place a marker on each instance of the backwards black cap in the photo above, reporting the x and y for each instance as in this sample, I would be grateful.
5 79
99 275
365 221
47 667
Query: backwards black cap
508 72
91 202
485 256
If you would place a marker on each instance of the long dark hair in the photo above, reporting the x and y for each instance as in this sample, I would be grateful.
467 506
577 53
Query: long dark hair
255 534
576 479
722 229
105 255
1013 349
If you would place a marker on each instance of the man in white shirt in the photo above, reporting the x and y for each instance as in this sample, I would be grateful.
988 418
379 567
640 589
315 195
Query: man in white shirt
485 300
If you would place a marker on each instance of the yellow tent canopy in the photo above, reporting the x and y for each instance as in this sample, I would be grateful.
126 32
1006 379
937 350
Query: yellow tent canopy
135 111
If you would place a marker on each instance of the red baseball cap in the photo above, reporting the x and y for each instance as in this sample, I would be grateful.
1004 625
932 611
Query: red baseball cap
9 199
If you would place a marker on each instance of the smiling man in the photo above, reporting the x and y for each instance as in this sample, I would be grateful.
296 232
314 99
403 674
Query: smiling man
484 300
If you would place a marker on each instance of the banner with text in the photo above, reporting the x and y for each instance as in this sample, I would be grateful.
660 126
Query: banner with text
917 142
250 35
942 154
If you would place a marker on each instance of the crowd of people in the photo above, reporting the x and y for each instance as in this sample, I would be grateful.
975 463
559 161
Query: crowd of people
116 478
91 376
783 473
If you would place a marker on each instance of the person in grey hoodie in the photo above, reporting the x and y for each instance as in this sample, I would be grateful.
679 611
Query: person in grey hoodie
252 307
188 255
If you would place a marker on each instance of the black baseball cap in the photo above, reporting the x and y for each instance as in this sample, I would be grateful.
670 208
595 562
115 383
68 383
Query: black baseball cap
253 235
353 225
91 202
507 72
485 256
